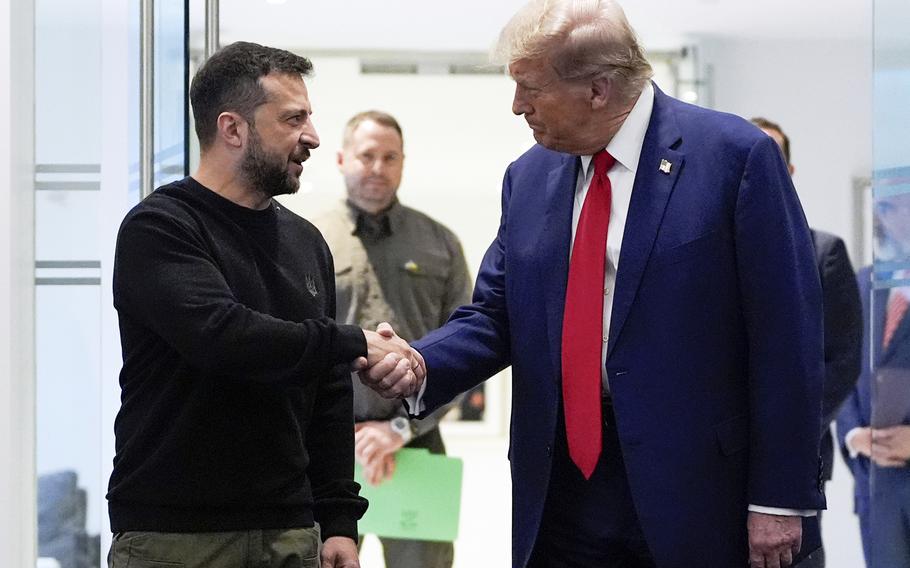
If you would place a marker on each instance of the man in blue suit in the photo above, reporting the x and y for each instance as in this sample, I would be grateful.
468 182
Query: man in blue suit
653 285
874 423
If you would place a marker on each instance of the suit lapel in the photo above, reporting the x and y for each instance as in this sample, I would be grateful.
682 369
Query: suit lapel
650 194
554 250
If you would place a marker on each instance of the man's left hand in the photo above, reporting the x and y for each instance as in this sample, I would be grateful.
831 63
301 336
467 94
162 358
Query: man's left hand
891 446
377 471
339 552
375 444
375 439
773 540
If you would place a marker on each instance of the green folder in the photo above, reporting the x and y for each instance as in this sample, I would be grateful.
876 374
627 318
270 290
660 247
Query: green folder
421 501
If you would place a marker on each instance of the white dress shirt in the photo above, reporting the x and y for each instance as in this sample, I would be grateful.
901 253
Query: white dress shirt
625 147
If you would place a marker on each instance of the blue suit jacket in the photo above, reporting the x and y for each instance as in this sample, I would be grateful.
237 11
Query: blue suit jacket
715 350
857 410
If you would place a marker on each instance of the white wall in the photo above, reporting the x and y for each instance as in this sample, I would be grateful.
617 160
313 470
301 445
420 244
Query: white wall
820 92
17 470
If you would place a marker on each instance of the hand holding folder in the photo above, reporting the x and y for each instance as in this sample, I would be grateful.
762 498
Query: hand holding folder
421 501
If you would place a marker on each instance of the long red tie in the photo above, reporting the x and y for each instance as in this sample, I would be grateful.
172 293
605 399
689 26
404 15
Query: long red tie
582 327
894 314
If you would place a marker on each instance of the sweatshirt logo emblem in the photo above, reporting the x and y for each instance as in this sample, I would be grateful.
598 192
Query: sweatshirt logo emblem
311 285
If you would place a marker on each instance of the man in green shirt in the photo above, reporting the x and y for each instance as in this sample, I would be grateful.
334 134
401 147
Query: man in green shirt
397 265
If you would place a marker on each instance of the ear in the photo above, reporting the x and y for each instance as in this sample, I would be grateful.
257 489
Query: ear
792 169
339 158
600 92
233 129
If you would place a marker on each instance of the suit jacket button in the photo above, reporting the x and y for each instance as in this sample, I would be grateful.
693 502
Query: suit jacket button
549 451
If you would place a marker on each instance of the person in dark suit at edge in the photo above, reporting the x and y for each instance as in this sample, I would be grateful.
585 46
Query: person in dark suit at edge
873 426
653 285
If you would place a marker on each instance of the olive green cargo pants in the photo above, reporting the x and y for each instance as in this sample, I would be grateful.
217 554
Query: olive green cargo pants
289 548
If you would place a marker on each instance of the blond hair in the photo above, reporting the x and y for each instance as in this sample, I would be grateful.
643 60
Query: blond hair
377 116
582 39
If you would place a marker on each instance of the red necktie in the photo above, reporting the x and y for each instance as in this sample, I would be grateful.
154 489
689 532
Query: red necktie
897 307
582 327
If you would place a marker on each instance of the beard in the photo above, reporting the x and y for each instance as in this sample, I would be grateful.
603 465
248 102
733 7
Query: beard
267 173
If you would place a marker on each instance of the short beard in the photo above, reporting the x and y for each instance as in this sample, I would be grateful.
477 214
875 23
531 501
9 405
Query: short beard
265 173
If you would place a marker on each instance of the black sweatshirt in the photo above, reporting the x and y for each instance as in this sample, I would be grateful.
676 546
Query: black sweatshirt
236 406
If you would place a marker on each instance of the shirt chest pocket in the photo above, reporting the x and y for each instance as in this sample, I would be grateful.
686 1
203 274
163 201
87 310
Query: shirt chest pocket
424 275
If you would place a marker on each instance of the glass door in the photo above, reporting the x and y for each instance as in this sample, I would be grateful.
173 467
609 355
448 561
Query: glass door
883 502
86 177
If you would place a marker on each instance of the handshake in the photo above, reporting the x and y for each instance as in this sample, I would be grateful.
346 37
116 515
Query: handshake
391 368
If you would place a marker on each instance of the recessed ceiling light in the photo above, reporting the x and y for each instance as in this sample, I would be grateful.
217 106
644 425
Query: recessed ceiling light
275 1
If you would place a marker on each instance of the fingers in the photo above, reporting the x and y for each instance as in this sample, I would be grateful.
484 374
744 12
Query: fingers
393 369
385 329
391 378
886 461
420 371
359 364
887 450
389 469
773 540
368 443
372 474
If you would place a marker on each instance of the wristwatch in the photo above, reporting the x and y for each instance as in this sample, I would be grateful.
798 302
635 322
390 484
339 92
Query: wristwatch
402 426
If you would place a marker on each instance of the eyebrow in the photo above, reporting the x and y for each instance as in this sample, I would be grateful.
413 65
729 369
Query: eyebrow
295 111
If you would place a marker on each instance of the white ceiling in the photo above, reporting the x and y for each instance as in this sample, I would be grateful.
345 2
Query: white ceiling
472 25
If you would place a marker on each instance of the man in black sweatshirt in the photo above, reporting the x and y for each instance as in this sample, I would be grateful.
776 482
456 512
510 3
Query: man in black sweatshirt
235 432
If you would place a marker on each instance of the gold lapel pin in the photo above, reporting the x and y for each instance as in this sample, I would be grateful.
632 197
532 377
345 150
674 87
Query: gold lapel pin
665 166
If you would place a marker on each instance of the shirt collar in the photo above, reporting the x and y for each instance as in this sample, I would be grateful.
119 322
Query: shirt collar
391 217
626 144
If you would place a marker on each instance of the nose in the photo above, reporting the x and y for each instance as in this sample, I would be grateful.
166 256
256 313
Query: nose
308 136
519 105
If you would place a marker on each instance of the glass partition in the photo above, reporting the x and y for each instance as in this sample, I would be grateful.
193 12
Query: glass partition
86 176
883 395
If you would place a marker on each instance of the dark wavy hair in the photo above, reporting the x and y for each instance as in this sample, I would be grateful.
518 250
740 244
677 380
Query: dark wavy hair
229 82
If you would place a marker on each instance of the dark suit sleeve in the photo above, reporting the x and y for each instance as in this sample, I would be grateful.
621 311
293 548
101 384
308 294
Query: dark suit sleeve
782 310
849 417
852 413
843 327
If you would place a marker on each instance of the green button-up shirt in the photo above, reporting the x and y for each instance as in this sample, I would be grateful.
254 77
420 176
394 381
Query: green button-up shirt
402 267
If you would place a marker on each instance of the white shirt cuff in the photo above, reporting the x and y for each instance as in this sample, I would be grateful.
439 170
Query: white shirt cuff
848 440
783 512
415 401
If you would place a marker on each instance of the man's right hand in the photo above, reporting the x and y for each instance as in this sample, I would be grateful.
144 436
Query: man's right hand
391 368
860 441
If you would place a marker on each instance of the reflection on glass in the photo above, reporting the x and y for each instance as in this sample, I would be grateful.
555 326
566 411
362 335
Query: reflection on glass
874 424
